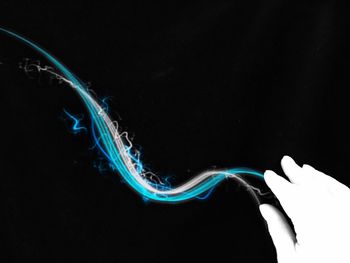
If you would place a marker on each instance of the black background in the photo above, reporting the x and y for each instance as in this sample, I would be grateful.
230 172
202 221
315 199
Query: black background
198 85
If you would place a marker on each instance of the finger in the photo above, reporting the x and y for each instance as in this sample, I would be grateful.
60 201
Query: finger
318 175
293 171
320 178
280 231
278 185
313 172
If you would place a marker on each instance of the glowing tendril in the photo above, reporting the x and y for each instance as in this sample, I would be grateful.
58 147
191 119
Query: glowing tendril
118 148
76 122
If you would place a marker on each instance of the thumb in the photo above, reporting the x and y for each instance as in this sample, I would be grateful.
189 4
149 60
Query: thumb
280 231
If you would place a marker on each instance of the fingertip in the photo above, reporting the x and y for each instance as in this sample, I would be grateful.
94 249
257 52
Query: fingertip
280 231
288 162
269 212
278 185
286 158
264 210
269 176
292 170
268 173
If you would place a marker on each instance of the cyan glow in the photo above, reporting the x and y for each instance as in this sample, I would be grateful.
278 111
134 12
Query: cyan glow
76 122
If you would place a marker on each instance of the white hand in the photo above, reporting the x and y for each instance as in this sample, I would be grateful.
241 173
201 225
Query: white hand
319 207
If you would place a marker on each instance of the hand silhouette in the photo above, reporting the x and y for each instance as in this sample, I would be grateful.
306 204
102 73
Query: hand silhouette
319 208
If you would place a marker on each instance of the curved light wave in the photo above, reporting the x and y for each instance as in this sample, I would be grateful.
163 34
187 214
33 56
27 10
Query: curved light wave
117 147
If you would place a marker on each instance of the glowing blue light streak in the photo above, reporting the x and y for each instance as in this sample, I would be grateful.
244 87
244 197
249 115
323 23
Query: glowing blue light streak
76 122
118 149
